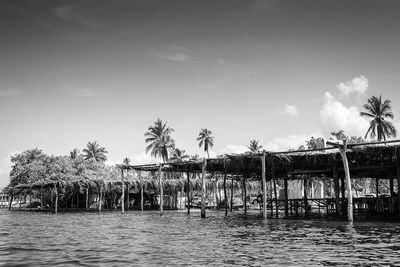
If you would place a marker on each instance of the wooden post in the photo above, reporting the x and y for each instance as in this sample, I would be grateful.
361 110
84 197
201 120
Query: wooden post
141 196
203 188
377 187
244 194
56 202
127 196
286 191
275 193
336 184
100 197
342 150
87 198
225 196
231 194
188 193
77 199
30 198
264 186
391 186
123 191
160 174
41 196
305 181
11 198
398 180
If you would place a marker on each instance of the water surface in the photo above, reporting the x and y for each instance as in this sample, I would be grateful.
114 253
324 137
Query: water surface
146 238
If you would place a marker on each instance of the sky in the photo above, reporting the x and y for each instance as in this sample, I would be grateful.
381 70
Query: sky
275 71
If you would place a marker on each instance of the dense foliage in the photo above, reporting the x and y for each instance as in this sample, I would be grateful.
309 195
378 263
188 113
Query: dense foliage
33 166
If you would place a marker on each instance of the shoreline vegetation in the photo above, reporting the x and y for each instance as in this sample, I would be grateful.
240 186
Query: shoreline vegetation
84 181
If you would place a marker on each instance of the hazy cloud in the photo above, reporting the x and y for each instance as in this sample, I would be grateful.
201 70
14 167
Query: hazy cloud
335 116
173 56
358 85
79 91
9 92
291 110
66 13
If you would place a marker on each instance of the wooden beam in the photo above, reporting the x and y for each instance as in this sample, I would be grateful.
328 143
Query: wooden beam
225 197
203 189
264 186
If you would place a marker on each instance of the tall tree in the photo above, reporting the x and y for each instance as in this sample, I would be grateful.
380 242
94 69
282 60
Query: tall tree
206 139
159 139
178 155
379 111
254 146
95 151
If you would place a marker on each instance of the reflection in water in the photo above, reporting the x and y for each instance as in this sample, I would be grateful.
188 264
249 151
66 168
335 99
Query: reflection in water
146 238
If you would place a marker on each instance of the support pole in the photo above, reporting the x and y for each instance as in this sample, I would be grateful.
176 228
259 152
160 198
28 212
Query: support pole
41 196
275 192
337 190
11 198
123 191
100 197
342 150
231 195
30 198
398 179
264 186
160 174
141 196
87 198
391 186
305 196
56 202
286 191
244 194
225 196
127 196
203 188
188 193
377 187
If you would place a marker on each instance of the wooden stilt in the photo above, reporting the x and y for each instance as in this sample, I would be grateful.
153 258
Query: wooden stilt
160 174
188 193
264 186
141 196
231 204
11 200
342 150
56 201
285 189
276 199
337 191
225 196
30 198
100 197
244 194
203 188
306 208
41 196
77 199
127 196
391 186
87 198
398 180
123 191
377 186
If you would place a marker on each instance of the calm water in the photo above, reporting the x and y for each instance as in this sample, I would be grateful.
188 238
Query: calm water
111 239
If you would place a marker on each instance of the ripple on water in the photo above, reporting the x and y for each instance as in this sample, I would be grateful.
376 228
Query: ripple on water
91 239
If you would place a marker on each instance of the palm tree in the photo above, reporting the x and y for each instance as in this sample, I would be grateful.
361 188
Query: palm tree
205 138
178 155
254 146
378 112
95 151
74 153
160 140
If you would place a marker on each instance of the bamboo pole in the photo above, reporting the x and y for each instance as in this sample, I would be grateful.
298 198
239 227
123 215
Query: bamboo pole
123 191
225 196
264 186
160 174
188 193
203 188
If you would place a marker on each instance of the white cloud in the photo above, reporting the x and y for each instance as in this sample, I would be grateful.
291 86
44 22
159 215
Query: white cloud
173 56
289 142
232 149
335 116
358 85
9 92
291 110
